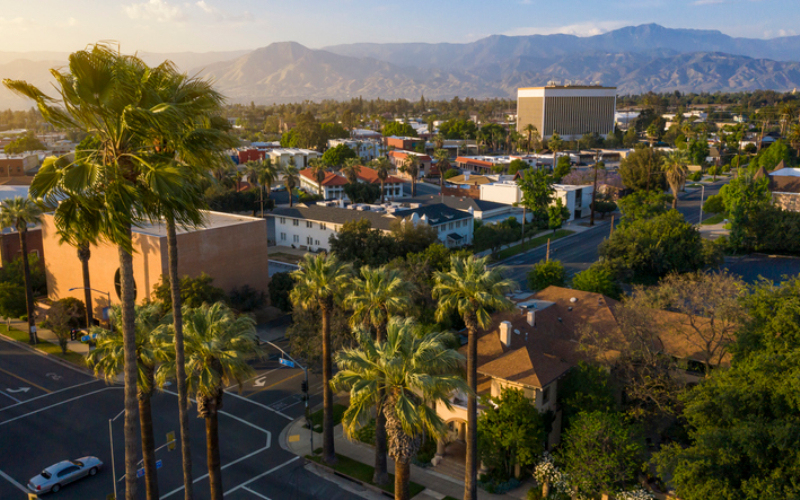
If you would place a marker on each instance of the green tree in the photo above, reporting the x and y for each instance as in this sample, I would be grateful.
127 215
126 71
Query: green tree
24 143
398 129
337 155
108 360
510 432
412 238
321 282
291 179
442 157
472 290
601 453
563 168
13 302
382 166
533 136
362 192
280 285
642 205
410 167
17 213
773 155
630 138
641 170
517 165
557 214
714 204
556 144
319 169
598 278
674 165
193 292
544 274
537 194
744 196
586 388
400 376
218 345
380 294
362 245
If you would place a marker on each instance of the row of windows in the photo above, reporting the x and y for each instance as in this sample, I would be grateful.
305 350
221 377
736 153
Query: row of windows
309 224
451 225
296 239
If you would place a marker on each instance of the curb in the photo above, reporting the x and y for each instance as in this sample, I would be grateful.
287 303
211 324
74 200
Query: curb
58 360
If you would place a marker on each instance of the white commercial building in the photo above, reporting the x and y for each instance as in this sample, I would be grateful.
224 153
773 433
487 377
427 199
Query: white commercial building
281 156
569 110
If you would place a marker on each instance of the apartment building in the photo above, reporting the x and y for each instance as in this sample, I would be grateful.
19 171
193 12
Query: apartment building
366 149
333 184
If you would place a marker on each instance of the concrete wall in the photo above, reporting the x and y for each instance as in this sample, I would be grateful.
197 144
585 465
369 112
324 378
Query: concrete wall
508 193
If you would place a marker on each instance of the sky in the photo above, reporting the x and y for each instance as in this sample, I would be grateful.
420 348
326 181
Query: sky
220 25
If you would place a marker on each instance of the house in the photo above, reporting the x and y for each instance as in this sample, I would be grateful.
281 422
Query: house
398 160
403 143
281 156
18 165
309 227
577 199
10 248
333 184
784 183
487 211
366 149
250 154
532 347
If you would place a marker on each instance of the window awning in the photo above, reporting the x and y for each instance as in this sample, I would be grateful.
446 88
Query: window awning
455 236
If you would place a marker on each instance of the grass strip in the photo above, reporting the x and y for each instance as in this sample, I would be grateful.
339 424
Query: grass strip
532 243
364 473
716 219
47 347
338 412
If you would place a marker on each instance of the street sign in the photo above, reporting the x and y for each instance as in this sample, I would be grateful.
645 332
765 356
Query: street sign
286 362
158 464
170 440
105 313
140 472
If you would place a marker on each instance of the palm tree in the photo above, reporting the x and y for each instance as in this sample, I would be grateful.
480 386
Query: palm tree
318 168
218 347
399 375
442 158
108 361
251 172
18 212
674 165
320 283
555 144
533 135
382 165
291 178
794 137
112 97
473 290
351 169
411 167
380 294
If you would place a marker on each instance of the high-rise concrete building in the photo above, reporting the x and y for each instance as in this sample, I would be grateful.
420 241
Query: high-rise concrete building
571 111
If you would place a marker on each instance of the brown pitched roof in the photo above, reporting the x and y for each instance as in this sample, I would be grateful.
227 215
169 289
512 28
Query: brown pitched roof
369 175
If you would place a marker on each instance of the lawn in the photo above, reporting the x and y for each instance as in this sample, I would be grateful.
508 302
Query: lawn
47 347
716 219
286 257
338 411
364 472
532 243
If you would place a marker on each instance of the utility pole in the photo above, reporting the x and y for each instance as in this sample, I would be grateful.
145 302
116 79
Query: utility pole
702 196
594 190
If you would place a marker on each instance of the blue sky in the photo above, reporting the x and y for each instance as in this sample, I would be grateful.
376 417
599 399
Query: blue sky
209 25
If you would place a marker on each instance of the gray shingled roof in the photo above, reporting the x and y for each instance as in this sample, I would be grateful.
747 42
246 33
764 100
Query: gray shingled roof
459 202
436 214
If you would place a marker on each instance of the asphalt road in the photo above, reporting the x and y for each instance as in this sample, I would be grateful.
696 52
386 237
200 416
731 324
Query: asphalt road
579 251
64 414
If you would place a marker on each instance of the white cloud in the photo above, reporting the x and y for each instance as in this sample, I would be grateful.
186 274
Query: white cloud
580 29
158 10
707 2
207 8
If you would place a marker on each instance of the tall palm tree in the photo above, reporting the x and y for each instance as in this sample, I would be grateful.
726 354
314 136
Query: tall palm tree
266 178
18 212
218 347
110 96
442 157
533 135
411 167
291 179
108 361
321 282
556 144
318 168
794 137
378 295
399 375
674 165
473 290
382 165
351 169
251 171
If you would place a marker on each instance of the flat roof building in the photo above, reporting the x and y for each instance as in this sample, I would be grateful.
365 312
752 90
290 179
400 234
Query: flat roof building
570 111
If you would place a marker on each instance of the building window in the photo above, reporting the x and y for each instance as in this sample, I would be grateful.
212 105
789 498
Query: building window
295 222
296 238
283 236
316 242
545 395
283 220
309 224
450 226
323 226
442 228
309 240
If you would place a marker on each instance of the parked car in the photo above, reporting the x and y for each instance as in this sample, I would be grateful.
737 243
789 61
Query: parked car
58 475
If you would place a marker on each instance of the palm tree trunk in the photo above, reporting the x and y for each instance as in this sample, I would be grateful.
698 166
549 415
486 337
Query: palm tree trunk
26 272
148 441
130 372
180 362
402 475
382 192
413 185
471 466
261 195
328 450
381 475
84 254
212 455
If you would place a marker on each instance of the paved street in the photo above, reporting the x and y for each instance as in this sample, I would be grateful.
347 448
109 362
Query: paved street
49 412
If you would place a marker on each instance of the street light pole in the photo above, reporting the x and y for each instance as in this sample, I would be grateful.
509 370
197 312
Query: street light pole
306 397
702 196
111 440
594 189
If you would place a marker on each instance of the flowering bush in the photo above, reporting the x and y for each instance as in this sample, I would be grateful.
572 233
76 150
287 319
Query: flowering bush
546 472
637 494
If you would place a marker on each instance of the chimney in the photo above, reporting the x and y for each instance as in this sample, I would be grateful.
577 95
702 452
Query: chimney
505 333
531 317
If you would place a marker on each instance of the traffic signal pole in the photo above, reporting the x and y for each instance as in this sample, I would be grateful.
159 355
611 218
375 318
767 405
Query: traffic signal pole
304 389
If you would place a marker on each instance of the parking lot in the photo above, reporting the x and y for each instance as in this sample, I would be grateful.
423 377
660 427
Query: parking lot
50 412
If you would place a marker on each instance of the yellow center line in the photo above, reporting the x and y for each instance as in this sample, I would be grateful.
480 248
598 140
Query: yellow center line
276 383
26 381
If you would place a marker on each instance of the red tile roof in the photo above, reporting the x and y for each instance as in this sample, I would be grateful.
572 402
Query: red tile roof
404 154
473 161
331 179
369 175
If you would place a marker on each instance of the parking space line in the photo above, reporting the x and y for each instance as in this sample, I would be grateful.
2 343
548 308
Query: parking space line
12 481
26 381
57 404
259 495
287 417
51 394
10 396
284 464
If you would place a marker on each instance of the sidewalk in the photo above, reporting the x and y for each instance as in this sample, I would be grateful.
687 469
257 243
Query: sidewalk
295 438
45 335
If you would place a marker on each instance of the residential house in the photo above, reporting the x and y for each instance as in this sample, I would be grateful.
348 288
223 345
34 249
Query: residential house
784 183
333 184
398 160
281 156
487 211
577 199
366 149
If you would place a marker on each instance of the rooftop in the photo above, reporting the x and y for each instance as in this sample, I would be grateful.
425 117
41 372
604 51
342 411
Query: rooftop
213 220
331 179
459 202
380 217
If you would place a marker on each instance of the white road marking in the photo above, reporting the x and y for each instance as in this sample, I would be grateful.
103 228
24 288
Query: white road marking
10 396
57 404
52 393
11 480
259 495
287 417
251 378
260 476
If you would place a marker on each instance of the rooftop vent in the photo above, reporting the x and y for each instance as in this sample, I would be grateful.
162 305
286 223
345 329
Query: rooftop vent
573 299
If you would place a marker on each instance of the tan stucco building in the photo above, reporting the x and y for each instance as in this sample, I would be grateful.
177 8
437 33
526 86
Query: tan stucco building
232 249
570 110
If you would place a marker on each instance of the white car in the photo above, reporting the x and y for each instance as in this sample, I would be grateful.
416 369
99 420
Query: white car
58 475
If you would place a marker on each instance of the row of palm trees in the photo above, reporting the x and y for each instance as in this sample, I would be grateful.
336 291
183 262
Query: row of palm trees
377 297
155 134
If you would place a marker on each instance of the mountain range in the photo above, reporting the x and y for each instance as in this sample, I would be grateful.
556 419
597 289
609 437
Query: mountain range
636 59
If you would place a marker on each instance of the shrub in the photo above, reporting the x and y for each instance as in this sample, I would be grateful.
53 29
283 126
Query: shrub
546 274
279 287
247 299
